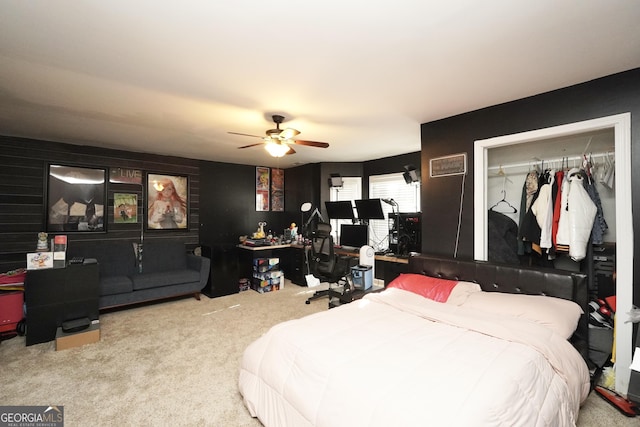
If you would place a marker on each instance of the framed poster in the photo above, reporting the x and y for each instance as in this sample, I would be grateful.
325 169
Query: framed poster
277 190
76 199
262 188
167 202
125 208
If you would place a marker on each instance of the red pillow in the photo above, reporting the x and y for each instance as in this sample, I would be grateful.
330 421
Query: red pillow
429 287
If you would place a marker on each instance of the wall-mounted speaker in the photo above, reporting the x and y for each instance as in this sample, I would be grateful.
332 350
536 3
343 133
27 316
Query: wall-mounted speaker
410 176
335 180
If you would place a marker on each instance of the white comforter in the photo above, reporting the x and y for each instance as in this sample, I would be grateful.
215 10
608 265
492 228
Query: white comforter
395 358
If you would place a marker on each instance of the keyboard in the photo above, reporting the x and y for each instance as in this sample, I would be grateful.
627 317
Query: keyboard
76 260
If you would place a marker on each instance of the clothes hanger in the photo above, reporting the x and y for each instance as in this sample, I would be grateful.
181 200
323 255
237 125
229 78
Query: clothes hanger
504 200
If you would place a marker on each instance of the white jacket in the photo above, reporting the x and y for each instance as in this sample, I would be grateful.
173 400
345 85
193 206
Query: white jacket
582 213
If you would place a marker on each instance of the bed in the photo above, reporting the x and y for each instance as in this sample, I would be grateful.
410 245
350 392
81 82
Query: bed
464 352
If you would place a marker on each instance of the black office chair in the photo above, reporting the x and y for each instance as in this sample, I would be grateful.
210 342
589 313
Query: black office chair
324 263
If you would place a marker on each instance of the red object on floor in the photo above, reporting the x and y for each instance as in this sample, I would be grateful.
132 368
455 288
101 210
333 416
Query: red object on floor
10 310
623 405
611 302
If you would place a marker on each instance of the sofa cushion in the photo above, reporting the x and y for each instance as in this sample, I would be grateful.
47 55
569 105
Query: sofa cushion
165 278
164 256
115 258
111 285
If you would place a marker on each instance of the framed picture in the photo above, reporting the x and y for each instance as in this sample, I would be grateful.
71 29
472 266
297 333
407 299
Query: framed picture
277 190
262 188
76 198
125 208
167 202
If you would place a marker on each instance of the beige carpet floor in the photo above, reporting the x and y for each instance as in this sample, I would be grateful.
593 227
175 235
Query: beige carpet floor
170 364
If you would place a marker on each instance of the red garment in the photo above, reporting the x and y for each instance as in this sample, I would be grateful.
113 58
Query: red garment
556 208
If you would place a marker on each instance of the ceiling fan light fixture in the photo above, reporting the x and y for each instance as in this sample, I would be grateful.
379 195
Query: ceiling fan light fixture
289 133
276 149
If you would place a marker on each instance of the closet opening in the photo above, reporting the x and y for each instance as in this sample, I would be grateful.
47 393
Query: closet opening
501 166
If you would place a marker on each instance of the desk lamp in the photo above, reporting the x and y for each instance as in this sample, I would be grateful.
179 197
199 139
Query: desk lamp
306 207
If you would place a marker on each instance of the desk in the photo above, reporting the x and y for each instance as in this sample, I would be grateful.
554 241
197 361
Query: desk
249 253
293 261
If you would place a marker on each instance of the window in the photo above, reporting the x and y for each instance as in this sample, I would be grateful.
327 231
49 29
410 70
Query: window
391 186
351 190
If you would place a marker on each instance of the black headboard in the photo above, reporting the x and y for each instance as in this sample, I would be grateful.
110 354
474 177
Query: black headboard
515 280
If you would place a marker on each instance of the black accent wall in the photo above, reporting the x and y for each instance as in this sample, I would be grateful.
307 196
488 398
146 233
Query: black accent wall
23 182
221 199
615 94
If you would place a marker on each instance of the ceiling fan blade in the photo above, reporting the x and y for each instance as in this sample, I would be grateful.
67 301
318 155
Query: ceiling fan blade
288 133
291 151
312 143
245 134
251 145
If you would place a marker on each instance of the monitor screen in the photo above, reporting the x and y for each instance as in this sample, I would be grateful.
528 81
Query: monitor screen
354 235
340 210
369 209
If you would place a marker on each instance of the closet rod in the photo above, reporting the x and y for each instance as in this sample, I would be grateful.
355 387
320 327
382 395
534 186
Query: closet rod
536 161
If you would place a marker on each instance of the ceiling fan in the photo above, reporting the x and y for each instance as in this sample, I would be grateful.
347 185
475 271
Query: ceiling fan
277 140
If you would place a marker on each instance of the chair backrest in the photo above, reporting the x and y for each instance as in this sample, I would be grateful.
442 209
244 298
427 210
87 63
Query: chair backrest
323 258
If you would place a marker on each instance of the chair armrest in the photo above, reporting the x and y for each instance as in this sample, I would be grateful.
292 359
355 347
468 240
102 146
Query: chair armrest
201 264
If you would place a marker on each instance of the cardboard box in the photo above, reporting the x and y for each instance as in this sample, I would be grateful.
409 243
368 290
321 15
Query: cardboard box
262 265
264 286
90 335
270 275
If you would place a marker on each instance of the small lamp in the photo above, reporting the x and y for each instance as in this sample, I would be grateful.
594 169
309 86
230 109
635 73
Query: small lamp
306 207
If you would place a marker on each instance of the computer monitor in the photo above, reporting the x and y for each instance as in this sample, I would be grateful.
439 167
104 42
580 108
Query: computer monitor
369 209
354 235
340 210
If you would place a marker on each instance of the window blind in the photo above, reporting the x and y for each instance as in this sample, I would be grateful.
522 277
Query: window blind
390 186
351 190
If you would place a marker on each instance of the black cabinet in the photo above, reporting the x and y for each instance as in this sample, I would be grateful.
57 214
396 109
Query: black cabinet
223 276
294 265
56 295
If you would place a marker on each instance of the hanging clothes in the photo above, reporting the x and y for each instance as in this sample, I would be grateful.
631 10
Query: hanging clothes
502 238
600 226
557 202
582 213
529 231
543 209
563 236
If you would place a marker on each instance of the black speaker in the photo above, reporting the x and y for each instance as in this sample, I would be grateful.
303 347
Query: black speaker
410 176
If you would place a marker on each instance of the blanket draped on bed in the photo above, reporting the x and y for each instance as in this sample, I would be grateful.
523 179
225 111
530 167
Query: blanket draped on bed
395 358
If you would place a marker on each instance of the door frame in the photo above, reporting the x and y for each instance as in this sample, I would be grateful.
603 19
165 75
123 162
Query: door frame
621 124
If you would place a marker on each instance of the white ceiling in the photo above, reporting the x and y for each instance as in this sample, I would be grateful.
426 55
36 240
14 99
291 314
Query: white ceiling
173 77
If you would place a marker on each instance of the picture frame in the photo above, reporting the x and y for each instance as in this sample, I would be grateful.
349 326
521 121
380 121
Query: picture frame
125 208
263 187
277 190
167 202
76 199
